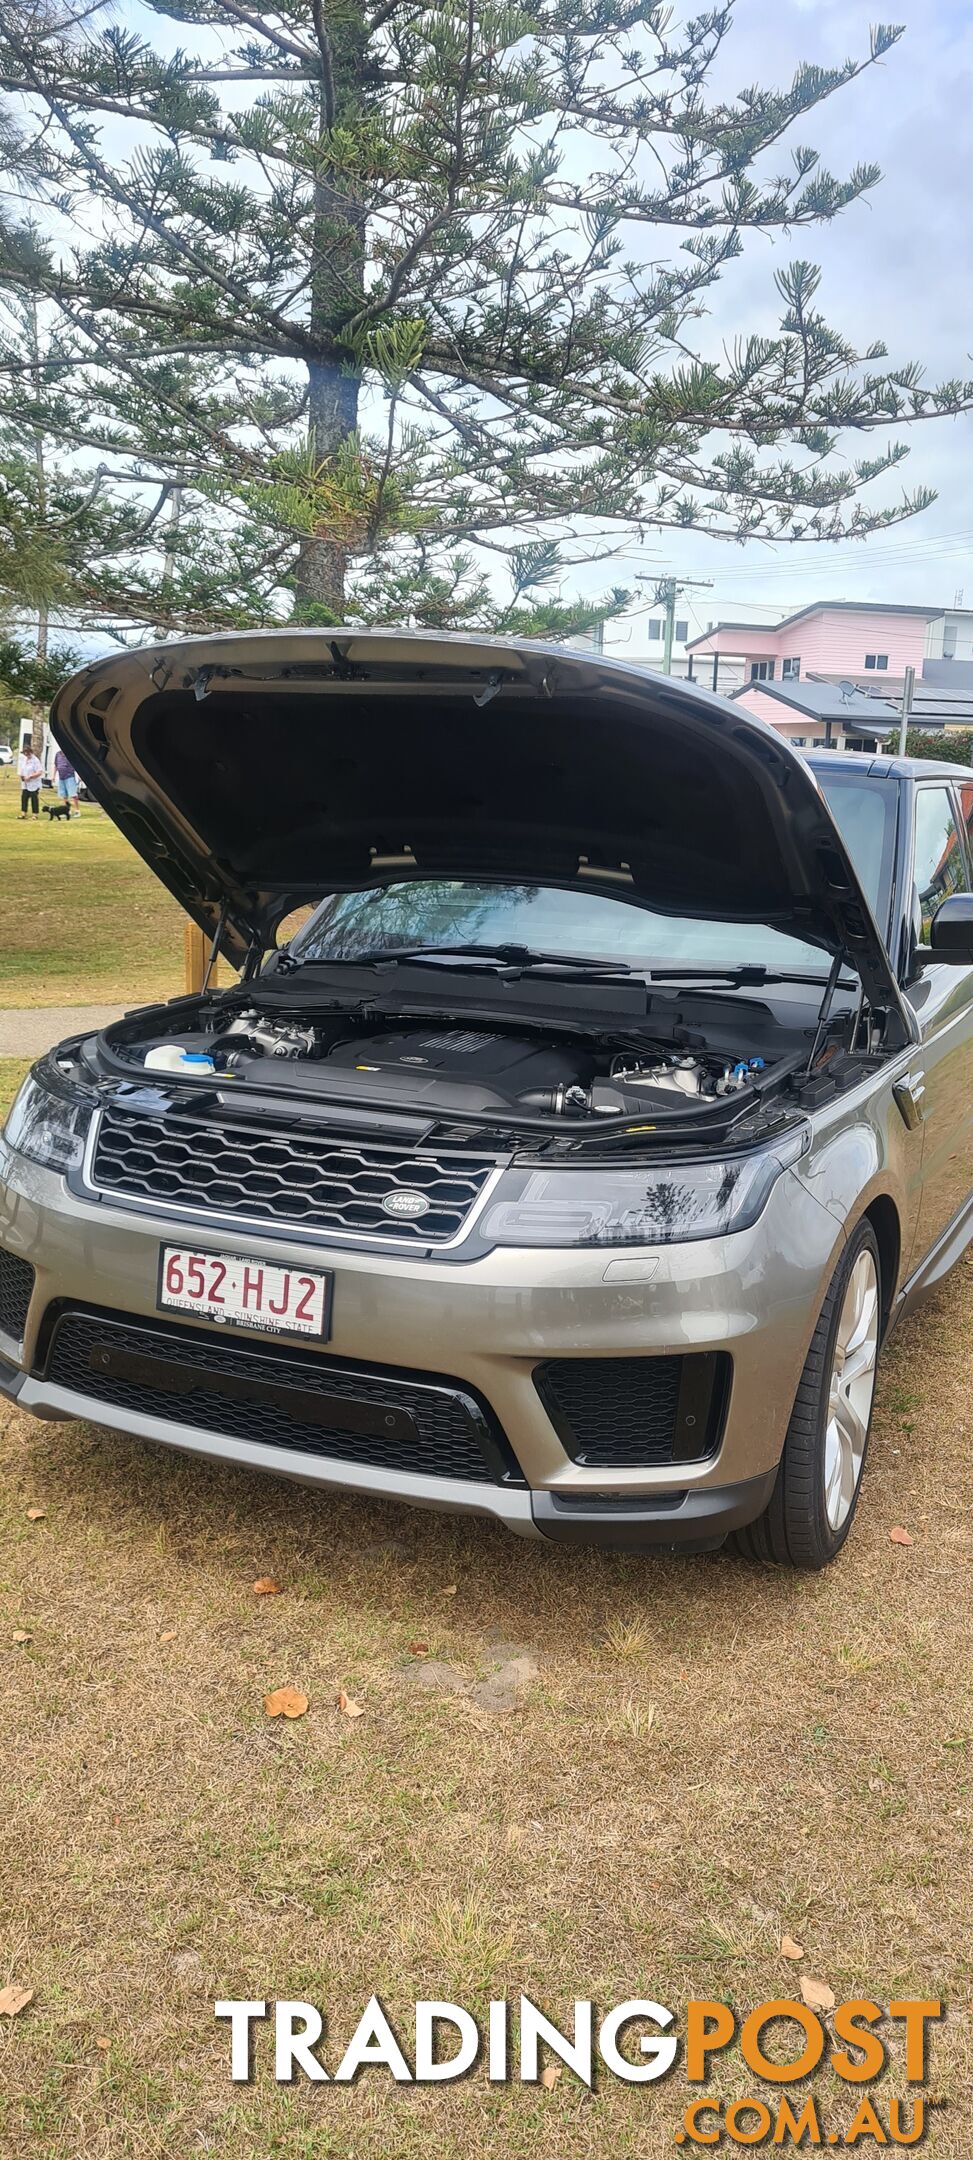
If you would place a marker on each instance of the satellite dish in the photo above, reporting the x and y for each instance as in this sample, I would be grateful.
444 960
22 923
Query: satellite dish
847 691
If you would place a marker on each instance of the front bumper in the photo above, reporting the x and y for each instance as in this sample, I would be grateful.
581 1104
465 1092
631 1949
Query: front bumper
753 1296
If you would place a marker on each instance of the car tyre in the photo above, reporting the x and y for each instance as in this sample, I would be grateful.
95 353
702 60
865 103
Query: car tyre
812 1506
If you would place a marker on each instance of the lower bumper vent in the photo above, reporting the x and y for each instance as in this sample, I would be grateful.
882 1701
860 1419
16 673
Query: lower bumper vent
280 1398
638 1412
16 1286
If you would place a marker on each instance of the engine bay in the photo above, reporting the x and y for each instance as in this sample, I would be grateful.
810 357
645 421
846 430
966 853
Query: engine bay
485 1069
441 1068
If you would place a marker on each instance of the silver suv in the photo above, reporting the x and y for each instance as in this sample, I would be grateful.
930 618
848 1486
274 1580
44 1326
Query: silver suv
570 1162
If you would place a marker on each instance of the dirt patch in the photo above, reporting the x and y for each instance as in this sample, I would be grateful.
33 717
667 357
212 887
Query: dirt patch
503 1689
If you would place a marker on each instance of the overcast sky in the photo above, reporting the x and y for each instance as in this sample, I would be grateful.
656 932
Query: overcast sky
896 266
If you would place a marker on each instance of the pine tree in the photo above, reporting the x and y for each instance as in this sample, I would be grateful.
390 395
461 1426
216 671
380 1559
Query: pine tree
377 293
28 683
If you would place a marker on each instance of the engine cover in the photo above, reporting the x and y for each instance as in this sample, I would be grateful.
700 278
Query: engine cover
480 1069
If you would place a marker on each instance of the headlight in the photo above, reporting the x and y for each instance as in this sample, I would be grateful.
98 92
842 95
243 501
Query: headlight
667 1205
47 1122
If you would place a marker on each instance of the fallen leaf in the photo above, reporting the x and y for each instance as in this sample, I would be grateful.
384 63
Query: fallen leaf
13 1999
265 1586
168 1634
103 2043
20 1635
348 1706
898 1536
816 1993
418 1649
450 1590
549 2077
36 1514
286 1702
789 1948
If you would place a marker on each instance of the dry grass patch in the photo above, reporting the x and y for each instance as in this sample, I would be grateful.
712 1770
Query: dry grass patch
805 1770
12 1072
82 919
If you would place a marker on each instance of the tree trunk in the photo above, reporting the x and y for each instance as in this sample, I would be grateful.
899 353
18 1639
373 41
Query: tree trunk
164 630
337 288
332 416
42 743
42 738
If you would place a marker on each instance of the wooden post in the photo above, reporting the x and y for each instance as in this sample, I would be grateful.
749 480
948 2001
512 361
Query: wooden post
196 954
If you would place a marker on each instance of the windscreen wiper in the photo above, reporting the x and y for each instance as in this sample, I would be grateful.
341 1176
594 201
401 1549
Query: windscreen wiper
750 975
508 956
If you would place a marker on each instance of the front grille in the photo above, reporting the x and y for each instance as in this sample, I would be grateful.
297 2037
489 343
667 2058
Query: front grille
270 1174
638 1412
16 1284
280 1397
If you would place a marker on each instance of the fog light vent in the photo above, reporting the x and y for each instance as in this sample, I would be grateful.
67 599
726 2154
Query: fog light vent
638 1412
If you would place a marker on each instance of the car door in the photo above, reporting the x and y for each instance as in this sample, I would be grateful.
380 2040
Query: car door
942 997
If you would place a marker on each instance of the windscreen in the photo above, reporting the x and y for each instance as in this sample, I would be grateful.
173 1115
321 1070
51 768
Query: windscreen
543 918
864 811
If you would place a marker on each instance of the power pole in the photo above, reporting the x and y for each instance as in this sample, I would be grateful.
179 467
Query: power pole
667 591
907 690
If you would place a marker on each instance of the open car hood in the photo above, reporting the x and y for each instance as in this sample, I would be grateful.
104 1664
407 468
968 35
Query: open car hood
256 770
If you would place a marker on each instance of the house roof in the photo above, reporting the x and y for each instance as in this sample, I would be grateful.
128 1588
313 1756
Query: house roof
935 705
769 629
943 696
845 607
932 707
824 701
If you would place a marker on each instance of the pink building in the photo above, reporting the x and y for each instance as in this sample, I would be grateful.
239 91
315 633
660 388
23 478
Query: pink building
836 638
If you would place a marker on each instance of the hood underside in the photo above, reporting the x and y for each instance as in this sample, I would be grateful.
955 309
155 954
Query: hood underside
253 771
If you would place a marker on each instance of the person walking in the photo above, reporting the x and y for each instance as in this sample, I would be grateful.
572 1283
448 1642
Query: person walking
67 781
31 773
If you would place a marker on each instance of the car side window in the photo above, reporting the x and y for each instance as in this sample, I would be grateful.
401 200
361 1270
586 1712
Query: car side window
965 793
938 860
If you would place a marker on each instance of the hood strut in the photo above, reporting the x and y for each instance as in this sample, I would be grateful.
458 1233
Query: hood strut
252 963
214 951
824 1010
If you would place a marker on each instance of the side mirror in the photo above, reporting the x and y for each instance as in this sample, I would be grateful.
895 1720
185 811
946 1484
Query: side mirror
951 932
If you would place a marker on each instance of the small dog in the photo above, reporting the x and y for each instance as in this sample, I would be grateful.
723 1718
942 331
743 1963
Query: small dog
56 809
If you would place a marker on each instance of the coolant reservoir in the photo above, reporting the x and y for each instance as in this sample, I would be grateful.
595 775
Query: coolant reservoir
171 1057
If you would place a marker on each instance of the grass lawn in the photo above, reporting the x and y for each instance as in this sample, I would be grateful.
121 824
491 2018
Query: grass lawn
82 919
704 1756
12 1072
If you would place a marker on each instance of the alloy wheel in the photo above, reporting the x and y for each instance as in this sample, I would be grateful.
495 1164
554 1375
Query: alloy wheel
851 1390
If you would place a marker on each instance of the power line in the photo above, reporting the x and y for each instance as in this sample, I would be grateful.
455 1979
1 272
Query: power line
861 557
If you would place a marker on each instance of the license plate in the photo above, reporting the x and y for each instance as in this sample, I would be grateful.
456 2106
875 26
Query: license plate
242 1291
